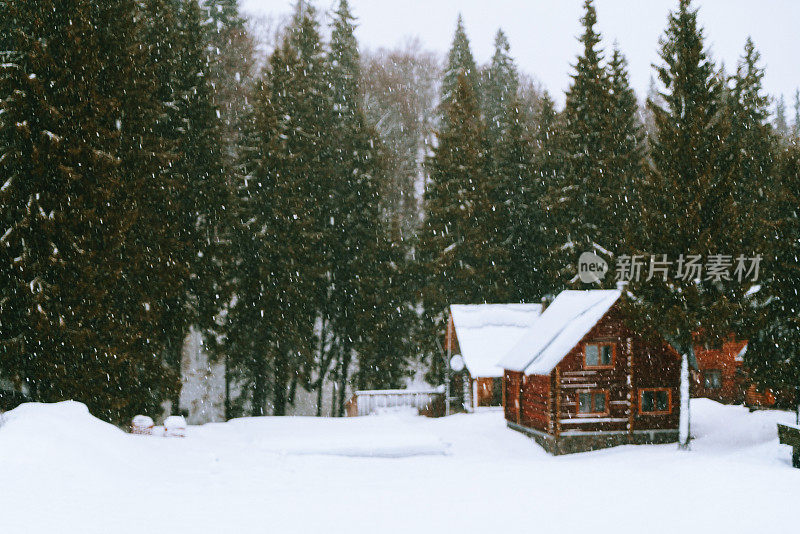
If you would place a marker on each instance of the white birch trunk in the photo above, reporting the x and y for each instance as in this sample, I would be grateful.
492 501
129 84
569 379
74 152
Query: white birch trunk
684 427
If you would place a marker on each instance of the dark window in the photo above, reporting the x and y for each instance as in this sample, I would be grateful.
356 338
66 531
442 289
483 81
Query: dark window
497 392
655 401
599 354
592 402
712 379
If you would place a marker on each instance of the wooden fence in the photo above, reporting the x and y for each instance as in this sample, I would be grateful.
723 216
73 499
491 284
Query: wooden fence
367 402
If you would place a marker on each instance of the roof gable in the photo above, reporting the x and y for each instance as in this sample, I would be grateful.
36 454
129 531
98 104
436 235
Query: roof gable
486 332
562 325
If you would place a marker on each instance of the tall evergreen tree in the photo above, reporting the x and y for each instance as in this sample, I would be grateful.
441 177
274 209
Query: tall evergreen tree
498 89
780 122
456 250
460 62
286 220
78 151
584 201
686 204
532 230
354 212
749 152
772 358
626 157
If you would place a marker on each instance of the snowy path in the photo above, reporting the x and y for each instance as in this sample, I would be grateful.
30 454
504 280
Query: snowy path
62 471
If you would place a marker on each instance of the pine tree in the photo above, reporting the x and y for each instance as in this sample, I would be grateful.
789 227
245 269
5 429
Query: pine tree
285 221
686 203
796 123
78 150
460 62
354 212
456 252
532 232
779 122
508 155
626 157
583 202
772 358
749 152
498 89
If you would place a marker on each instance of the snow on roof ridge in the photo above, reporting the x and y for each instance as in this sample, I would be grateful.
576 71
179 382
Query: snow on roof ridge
601 297
486 331
563 327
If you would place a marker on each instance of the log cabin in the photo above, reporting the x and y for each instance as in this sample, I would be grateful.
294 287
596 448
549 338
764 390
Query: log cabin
582 379
482 334
720 374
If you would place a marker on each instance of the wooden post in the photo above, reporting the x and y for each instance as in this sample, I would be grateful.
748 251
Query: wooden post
557 393
632 400
503 393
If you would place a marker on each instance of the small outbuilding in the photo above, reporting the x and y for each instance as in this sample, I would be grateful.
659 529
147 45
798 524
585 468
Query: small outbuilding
720 374
482 334
581 378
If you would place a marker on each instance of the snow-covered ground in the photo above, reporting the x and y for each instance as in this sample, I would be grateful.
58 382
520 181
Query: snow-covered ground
62 471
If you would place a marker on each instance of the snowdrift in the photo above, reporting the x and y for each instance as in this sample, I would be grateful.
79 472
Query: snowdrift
64 471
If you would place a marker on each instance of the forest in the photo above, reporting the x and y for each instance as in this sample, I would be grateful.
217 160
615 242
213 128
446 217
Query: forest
313 208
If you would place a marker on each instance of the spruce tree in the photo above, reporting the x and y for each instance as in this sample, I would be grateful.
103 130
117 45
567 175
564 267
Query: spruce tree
78 150
455 249
780 122
772 359
508 155
498 89
533 234
285 220
749 152
460 62
626 156
583 202
686 201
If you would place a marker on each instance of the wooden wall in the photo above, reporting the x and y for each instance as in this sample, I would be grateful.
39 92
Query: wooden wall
536 405
647 365
550 403
511 386
722 359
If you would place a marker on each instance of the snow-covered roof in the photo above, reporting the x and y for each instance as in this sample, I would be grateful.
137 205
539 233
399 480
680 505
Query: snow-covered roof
486 332
740 356
562 325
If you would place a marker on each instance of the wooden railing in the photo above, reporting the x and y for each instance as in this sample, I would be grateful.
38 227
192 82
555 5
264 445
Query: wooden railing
368 402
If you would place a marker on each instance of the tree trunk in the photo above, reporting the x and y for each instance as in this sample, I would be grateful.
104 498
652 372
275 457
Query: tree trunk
260 392
323 363
684 432
279 387
175 357
344 374
292 390
228 407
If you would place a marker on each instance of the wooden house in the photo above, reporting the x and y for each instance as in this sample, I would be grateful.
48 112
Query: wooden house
582 379
720 375
482 334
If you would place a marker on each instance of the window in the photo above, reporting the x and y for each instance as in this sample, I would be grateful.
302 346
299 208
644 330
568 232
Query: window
599 354
593 402
712 379
655 401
